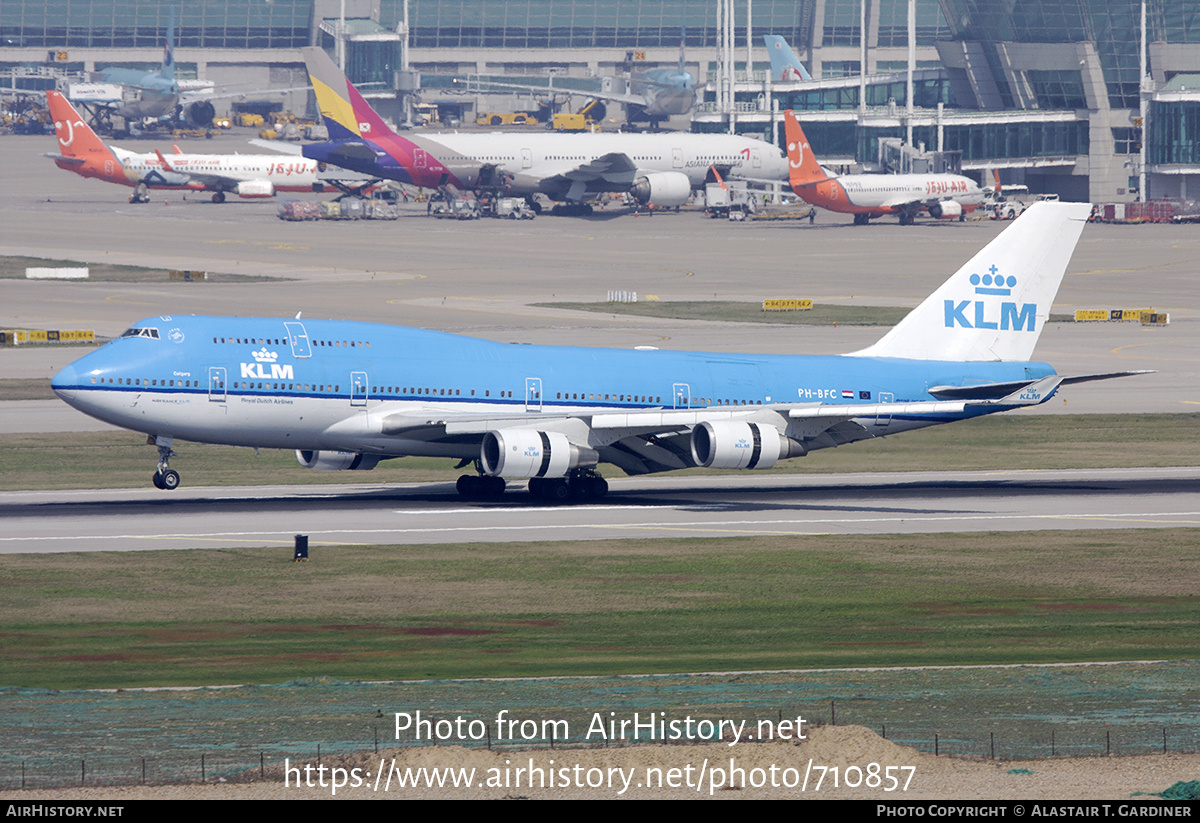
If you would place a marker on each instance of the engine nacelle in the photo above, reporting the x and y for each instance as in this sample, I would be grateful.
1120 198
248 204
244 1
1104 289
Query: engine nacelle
255 188
946 210
336 461
728 444
199 114
529 453
668 188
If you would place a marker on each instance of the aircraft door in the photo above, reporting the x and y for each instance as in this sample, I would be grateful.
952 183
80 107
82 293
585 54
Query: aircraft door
755 159
677 158
526 158
216 384
419 158
298 337
681 394
533 394
885 419
358 388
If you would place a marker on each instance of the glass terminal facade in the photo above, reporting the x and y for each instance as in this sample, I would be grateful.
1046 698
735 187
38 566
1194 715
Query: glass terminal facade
214 24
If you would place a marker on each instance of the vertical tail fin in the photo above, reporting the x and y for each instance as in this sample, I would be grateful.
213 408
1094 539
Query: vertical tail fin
75 137
168 62
994 307
345 112
803 168
785 65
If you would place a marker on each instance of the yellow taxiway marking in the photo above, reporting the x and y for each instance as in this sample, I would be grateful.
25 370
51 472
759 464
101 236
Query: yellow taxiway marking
1119 350
114 299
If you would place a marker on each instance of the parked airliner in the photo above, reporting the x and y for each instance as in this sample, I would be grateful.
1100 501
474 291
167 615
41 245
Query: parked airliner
246 175
660 169
346 394
944 196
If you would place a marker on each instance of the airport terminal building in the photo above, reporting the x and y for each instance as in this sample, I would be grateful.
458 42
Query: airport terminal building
1051 92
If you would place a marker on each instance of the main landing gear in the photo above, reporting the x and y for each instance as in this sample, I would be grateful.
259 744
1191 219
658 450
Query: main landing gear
480 487
165 478
219 197
579 485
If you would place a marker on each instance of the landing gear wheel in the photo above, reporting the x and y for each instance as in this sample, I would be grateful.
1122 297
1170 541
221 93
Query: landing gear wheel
219 197
557 491
480 487
167 481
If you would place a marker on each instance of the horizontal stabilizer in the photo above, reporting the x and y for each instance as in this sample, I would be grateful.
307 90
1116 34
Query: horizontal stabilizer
74 161
995 391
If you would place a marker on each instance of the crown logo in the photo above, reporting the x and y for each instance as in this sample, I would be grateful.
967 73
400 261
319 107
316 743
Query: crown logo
993 283
264 356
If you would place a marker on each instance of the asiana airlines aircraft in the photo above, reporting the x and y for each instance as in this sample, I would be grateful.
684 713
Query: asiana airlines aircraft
346 394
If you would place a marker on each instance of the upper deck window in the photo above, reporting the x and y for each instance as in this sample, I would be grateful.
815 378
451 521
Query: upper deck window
141 332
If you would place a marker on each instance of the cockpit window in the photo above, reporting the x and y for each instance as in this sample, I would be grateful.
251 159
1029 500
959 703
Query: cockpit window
137 332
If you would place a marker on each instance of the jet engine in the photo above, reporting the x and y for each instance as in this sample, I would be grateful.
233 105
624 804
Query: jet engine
255 188
728 444
336 461
529 453
946 210
199 114
668 188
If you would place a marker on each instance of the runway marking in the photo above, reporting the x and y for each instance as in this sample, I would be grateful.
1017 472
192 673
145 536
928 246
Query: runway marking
550 507
1120 349
273 537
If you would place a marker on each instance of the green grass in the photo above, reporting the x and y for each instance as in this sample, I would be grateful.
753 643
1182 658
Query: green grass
999 442
14 268
744 312
122 619
27 388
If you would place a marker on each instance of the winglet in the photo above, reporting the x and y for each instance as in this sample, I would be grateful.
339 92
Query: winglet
994 307
165 164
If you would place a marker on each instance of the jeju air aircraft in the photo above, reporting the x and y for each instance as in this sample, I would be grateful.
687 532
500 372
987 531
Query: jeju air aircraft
944 196
246 175
346 395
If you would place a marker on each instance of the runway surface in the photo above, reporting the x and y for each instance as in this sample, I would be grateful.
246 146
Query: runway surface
133 520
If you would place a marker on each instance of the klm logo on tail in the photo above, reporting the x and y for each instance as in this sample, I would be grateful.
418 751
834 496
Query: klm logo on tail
981 314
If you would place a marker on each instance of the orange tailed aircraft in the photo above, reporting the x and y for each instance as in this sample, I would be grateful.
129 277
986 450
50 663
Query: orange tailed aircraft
944 196
246 175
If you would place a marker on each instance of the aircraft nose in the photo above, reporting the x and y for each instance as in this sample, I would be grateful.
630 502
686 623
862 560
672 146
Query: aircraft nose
65 380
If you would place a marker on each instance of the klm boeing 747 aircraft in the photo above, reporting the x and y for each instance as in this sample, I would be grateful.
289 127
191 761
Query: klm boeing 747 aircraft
346 395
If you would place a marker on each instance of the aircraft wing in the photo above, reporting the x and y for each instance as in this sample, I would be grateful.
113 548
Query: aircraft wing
207 179
613 166
653 440
611 172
